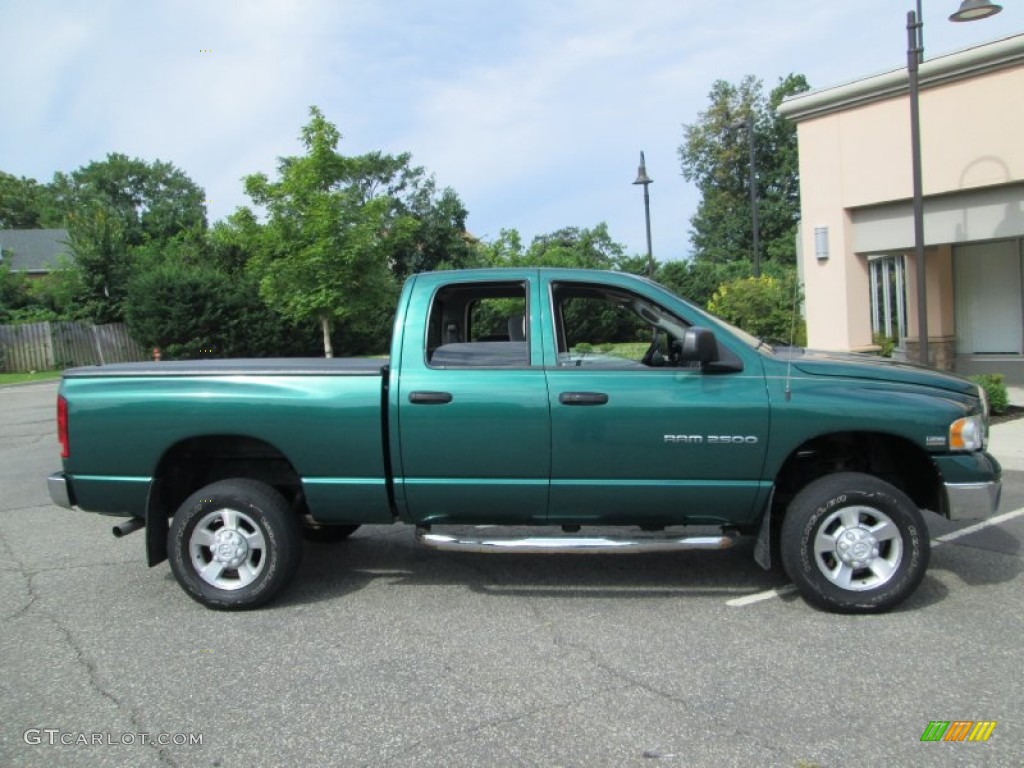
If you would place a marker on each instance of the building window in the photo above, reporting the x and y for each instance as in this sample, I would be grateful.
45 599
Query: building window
888 299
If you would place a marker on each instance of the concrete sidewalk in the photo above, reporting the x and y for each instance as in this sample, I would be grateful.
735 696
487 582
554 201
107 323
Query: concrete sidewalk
1006 441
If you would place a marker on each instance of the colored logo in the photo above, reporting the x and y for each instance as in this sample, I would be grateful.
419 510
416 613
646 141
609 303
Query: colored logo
958 730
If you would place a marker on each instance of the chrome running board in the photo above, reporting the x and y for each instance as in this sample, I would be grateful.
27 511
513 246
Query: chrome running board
578 545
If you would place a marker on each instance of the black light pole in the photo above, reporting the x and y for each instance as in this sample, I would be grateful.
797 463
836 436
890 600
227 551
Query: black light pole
970 10
913 58
646 181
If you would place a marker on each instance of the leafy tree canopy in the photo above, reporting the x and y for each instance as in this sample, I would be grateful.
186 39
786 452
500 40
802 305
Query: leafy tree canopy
150 201
27 204
117 209
569 247
765 306
715 155
340 229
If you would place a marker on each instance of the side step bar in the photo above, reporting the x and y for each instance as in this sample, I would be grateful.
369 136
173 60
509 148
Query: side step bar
580 545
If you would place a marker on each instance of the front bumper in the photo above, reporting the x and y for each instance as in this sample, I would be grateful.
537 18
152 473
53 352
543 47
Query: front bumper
967 501
973 484
60 490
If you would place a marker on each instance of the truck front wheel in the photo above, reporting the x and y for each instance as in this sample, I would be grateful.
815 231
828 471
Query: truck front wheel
853 543
234 544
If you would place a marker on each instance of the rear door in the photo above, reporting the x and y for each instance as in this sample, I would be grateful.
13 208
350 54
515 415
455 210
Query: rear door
474 432
637 437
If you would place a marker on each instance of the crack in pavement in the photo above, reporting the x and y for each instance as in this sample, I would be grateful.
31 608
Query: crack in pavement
31 438
96 684
462 734
92 673
19 569
48 420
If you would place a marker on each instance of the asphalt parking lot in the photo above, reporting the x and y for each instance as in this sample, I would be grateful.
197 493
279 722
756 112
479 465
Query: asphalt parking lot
384 654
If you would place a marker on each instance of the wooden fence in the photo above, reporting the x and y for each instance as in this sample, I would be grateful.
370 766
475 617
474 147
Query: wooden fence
44 346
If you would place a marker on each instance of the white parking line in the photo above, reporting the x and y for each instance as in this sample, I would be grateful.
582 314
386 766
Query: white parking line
757 597
768 594
979 526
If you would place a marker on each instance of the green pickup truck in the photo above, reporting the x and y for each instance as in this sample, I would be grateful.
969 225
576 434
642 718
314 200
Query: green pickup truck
560 399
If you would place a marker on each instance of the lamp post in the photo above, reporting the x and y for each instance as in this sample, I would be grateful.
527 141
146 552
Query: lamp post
646 181
970 10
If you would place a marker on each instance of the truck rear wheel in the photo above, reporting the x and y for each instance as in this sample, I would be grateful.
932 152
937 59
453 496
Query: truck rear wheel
234 544
853 543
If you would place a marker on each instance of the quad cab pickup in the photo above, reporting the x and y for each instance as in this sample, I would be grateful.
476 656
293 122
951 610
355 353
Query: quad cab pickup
559 399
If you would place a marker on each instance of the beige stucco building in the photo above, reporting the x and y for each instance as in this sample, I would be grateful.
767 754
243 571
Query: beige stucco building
856 241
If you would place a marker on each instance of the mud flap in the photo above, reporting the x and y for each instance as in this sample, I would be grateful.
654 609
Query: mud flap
156 527
763 545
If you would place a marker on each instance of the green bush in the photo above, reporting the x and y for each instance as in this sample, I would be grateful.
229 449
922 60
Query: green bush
994 385
767 307
194 312
887 344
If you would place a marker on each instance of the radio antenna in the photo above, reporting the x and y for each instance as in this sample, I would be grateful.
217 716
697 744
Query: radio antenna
788 392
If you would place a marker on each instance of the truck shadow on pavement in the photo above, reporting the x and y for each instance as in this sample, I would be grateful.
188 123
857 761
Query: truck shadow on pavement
379 554
331 571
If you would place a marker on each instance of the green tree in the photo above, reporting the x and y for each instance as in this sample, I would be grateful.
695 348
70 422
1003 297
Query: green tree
26 204
97 239
13 293
435 222
192 310
715 156
697 280
569 247
765 306
117 209
333 230
152 201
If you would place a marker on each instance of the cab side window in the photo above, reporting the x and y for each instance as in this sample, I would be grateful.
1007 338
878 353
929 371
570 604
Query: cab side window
479 325
601 327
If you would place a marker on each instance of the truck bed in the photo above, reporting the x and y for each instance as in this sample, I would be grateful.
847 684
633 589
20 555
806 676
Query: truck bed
286 366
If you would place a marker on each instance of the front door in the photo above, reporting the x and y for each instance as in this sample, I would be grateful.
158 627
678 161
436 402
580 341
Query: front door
636 437
989 318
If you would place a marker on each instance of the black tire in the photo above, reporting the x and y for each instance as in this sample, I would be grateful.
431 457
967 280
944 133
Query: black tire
319 532
853 543
258 540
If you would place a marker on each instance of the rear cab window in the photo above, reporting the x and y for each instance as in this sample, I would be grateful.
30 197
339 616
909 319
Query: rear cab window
479 325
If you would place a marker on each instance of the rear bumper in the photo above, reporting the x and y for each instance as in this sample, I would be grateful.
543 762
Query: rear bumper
60 490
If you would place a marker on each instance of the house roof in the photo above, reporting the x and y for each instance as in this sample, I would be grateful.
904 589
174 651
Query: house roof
33 251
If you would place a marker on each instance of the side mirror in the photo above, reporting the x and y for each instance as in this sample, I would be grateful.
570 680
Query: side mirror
699 346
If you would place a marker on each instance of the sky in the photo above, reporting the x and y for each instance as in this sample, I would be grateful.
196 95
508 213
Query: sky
533 111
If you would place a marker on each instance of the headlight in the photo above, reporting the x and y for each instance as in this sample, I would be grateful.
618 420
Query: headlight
983 396
967 434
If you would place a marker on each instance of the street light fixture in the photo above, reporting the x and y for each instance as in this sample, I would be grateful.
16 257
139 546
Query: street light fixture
970 10
646 181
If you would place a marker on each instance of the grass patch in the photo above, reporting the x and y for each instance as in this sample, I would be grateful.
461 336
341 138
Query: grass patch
26 378
627 350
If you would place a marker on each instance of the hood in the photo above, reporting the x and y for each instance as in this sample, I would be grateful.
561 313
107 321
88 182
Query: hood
852 365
